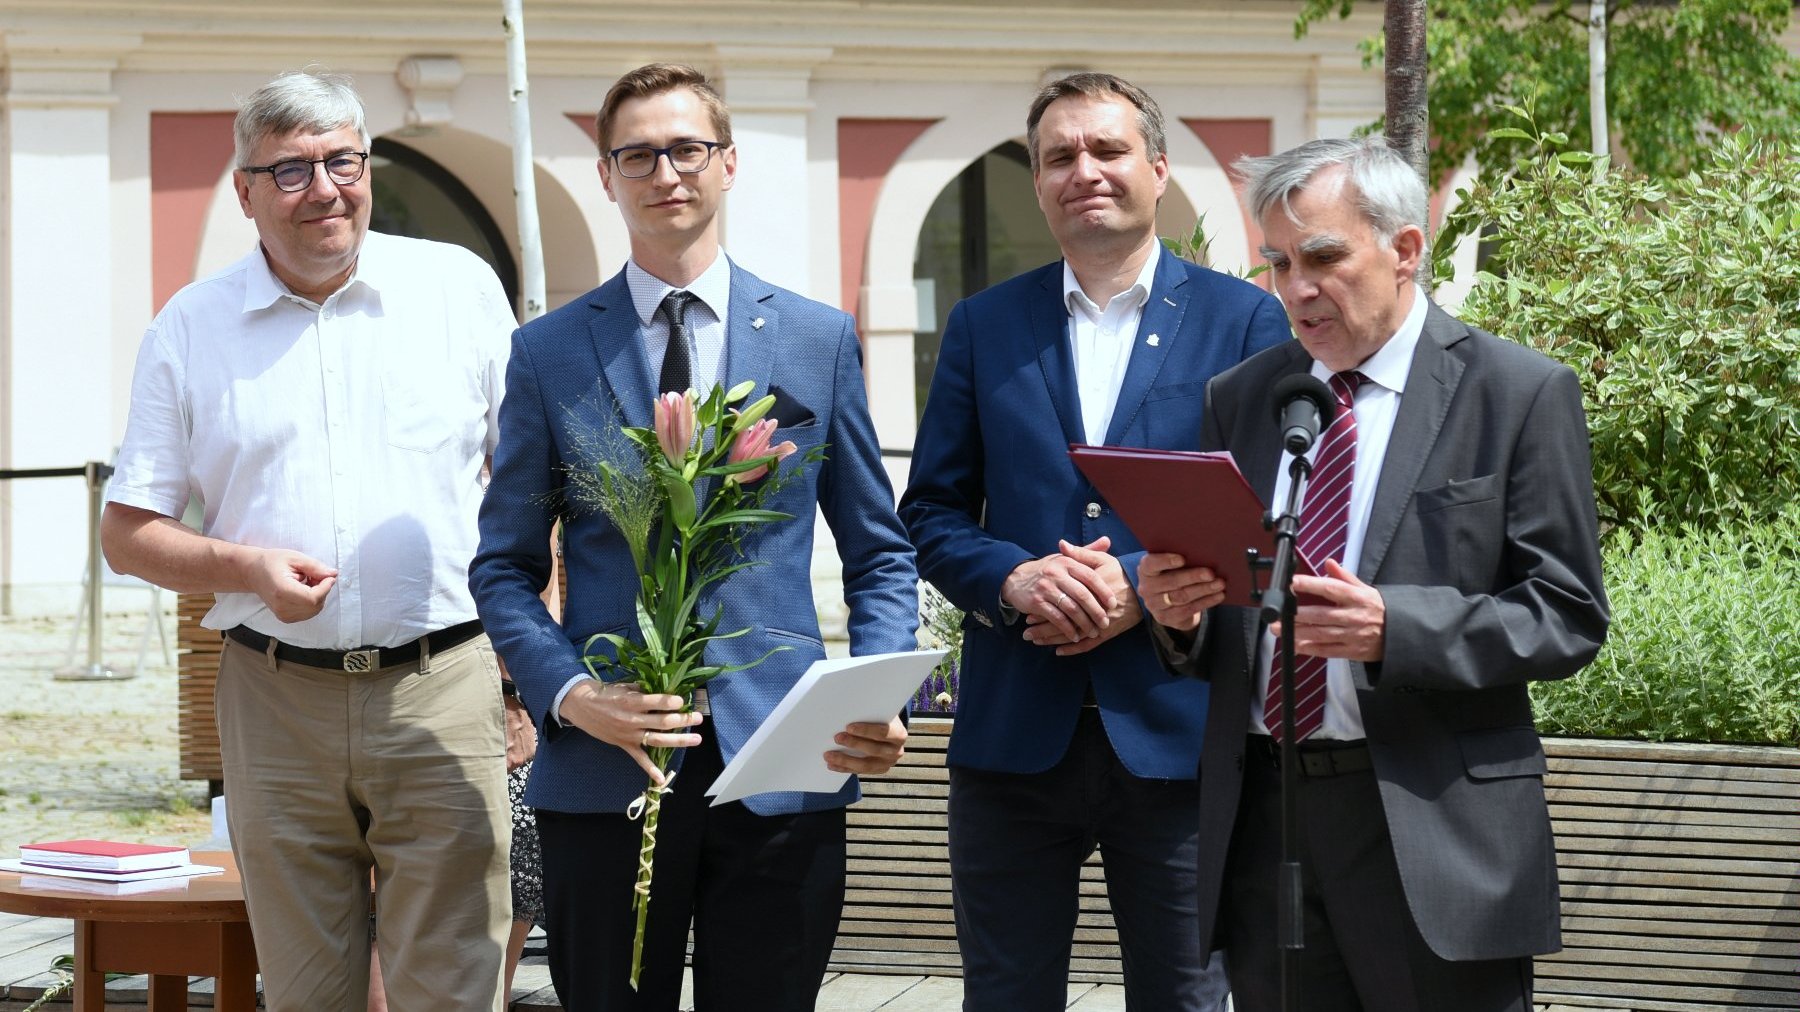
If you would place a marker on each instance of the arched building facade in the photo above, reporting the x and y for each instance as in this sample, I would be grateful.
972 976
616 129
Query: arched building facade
853 120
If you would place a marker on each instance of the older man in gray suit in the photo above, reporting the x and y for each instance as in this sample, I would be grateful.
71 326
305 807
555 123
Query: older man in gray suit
1451 516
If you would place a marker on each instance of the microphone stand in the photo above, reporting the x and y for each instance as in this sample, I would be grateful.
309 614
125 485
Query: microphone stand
1278 604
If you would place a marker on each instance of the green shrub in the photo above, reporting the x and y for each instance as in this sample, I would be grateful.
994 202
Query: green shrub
1678 305
1705 640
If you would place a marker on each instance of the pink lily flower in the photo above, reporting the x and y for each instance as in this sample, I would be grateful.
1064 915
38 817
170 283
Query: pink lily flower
754 442
675 425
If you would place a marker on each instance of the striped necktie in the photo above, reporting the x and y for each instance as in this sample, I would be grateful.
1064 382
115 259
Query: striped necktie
1324 529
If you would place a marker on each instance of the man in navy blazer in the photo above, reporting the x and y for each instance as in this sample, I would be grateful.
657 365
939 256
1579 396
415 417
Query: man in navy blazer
1069 735
763 879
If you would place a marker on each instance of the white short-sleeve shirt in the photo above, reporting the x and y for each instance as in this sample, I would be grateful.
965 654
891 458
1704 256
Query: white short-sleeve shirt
352 431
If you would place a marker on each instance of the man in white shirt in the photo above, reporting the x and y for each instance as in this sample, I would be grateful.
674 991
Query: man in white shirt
1450 520
1069 735
330 399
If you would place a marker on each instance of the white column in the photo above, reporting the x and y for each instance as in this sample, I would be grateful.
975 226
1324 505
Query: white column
1344 96
767 226
56 293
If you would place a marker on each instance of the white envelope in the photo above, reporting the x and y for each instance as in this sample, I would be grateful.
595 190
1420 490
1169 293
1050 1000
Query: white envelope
787 752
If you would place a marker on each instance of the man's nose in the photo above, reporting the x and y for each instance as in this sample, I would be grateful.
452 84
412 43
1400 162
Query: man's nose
664 171
322 188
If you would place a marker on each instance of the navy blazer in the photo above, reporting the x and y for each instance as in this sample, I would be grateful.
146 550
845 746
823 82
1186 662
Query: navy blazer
992 487
580 370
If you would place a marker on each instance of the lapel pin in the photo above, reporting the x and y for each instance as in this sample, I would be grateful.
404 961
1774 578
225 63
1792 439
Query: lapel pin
756 324
1153 340
1170 301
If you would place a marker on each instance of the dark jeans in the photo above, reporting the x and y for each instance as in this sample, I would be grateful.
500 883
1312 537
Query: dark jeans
764 894
1017 843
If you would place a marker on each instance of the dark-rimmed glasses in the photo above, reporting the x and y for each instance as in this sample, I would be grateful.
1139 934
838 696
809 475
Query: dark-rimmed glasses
635 161
296 174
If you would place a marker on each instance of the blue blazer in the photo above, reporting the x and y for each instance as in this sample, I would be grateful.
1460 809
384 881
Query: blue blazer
582 369
992 487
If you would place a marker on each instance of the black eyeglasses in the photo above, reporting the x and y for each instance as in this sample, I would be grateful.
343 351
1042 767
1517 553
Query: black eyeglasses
296 174
639 160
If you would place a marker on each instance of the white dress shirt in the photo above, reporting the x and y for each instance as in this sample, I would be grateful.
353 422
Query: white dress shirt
351 431
1377 404
1100 338
705 318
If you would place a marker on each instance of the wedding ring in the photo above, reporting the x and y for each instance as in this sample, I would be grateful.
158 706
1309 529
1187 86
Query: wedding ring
644 742
1166 602
1062 600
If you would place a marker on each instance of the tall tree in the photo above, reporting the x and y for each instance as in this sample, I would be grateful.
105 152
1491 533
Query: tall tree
1677 72
1408 118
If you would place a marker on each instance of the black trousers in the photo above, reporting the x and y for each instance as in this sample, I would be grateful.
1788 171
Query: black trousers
763 894
1363 951
1017 843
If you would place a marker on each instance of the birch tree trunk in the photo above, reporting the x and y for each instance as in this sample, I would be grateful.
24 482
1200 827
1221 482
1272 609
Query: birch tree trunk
1597 122
1408 125
531 243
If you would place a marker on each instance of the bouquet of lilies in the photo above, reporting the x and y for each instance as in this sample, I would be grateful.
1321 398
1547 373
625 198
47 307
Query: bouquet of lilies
683 494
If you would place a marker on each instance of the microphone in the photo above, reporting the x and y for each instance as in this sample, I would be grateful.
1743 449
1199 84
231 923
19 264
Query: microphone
1303 406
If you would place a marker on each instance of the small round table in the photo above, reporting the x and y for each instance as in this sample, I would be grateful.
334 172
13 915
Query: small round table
199 931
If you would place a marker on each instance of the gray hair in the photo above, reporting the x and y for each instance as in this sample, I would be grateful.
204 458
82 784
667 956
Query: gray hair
1389 192
313 101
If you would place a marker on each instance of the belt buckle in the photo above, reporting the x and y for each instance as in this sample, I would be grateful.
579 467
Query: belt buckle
356 661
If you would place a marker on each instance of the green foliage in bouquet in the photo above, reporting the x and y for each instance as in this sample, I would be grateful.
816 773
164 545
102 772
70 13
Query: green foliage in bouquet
683 494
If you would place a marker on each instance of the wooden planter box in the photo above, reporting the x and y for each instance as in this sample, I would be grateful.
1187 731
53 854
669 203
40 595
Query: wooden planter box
1680 868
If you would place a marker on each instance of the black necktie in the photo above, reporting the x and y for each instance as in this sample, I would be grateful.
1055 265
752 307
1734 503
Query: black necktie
677 366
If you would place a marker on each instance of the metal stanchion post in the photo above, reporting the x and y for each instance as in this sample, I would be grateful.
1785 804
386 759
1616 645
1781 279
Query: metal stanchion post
95 670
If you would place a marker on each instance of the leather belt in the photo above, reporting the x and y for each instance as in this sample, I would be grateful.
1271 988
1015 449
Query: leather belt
362 658
1317 758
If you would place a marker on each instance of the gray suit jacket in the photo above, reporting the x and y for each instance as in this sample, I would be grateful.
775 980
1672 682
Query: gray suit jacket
1484 545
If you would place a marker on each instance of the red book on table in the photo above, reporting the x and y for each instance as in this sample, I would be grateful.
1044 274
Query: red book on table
102 855
1197 505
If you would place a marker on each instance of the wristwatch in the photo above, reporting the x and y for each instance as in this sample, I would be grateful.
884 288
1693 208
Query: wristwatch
508 689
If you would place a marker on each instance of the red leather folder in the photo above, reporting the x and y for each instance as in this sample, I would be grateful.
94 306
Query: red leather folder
1197 505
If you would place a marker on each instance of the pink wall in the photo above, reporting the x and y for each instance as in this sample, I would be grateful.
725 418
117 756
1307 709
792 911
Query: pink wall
1229 140
867 151
188 152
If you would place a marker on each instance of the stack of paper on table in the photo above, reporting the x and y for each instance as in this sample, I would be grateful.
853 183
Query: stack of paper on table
102 855
106 867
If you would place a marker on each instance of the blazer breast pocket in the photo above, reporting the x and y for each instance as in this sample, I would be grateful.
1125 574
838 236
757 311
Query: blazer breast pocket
1462 530
1171 415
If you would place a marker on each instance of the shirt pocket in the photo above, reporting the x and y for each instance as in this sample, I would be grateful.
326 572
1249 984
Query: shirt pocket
414 407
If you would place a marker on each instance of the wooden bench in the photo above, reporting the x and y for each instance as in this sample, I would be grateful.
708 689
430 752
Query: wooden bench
897 916
1680 868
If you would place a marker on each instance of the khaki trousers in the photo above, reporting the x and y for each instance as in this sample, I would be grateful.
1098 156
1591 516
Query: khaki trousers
329 774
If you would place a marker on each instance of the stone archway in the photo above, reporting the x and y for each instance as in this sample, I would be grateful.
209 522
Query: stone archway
480 163
943 152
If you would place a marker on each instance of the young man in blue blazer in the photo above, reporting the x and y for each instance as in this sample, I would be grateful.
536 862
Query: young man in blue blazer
1069 734
762 880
